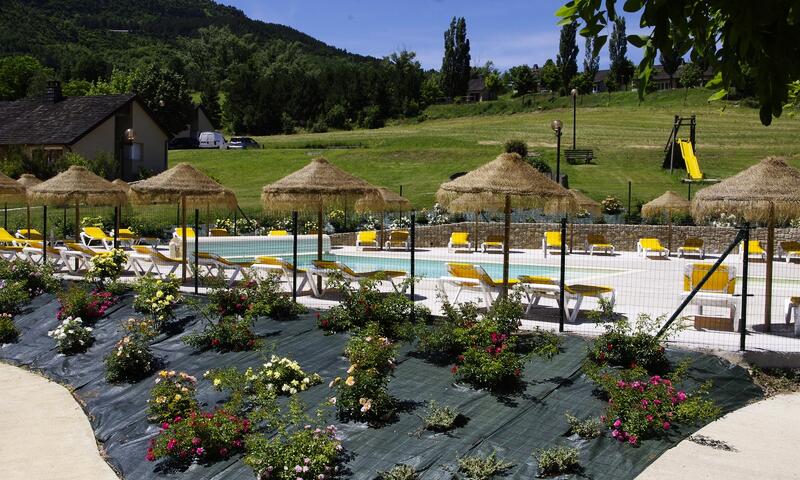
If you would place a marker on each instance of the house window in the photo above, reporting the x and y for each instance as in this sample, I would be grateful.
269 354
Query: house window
134 152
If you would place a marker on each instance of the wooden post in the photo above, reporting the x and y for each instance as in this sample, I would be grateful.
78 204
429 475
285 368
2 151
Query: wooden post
319 244
770 255
44 234
294 256
28 220
383 224
506 241
77 229
196 248
669 230
183 239
475 240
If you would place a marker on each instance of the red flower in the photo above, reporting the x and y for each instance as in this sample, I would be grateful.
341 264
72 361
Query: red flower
214 342
517 372
460 358
454 369
323 323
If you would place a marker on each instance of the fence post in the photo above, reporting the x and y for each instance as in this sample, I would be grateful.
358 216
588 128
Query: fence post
745 234
413 248
196 248
44 234
562 311
294 256
235 222
116 227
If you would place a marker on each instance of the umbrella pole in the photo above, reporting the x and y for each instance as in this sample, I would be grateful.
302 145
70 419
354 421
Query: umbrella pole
319 245
475 240
5 216
383 223
669 231
507 236
77 228
44 234
116 227
770 254
183 239
28 219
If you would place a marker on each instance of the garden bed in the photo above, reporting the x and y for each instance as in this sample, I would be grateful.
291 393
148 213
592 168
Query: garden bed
514 426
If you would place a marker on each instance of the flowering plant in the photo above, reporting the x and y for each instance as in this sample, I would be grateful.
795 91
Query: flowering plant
305 454
363 394
490 361
131 360
12 296
71 336
157 298
107 267
611 205
200 436
35 278
267 299
231 301
438 215
641 406
229 334
78 302
173 396
8 331
280 375
630 344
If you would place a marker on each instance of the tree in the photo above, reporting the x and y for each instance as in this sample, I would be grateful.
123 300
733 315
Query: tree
583 82
550 76
76 88
165 93
567 59
725 33
670 61
617 53
431 90
120 82
591 58
690 76
456 62
22 76
521 79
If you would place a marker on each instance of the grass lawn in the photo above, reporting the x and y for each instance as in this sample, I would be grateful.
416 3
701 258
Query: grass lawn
627 137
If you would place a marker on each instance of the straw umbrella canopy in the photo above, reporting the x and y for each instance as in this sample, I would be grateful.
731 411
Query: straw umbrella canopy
28 180
495 185
122 184
185 185
669 203
10 191
768 191
586 203
389 202
315 186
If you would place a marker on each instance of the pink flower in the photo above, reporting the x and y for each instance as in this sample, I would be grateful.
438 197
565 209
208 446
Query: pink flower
617 423
645 403
666 425
150 457
681 396
298 469
165 425
614 433
223 452
196 441
171 443
633 439
649 418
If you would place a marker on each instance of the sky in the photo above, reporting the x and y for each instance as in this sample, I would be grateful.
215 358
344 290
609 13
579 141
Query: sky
507 32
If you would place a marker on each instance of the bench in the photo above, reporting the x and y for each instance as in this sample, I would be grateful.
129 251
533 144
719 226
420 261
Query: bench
576 157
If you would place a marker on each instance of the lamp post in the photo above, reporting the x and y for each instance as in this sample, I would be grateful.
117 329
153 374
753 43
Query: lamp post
574 94
556 125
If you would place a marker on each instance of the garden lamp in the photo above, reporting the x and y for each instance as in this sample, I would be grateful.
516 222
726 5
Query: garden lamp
556 125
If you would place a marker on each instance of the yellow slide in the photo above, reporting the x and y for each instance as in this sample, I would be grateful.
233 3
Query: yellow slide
692 165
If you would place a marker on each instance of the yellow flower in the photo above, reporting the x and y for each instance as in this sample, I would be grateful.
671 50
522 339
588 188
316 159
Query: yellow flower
163 373
352 367
350 381
177 397
217 381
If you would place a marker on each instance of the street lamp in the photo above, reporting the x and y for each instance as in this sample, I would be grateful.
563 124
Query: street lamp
556 125
574 94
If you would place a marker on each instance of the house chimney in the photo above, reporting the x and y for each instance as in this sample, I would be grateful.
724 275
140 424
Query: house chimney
53 94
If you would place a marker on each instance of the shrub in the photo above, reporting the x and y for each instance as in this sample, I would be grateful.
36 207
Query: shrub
107 268
230 301
557 460
490 361
267 300
437 215
79 302
440 418
642 407
520 147
281 375
173 396
540 165
364 395
294 452
157 298
482 468
199 436
35 278
399 472
8 331
630 345
12 296
589 428
229 334
71 336
611 205
144 329
130 361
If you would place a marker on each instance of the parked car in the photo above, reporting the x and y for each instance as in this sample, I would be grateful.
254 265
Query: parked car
243 143
183 143
212 140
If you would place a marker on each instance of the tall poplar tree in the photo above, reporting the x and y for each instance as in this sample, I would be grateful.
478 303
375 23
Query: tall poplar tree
456 61
567 60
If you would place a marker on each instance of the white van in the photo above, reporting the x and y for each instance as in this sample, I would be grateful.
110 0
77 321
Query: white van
212 140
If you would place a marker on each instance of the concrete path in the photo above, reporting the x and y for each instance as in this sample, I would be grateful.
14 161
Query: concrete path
761 438
45 433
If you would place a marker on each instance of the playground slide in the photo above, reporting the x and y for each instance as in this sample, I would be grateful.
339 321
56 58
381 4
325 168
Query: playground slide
692 165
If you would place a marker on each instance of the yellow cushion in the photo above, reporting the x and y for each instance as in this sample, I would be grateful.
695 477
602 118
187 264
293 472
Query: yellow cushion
369 236
553 239
463 270
791 247
588 290
597 240
755 247
189 232
459 238
493 244
278 233
325 264
96 233
720 280
537 279
795 300
218 232
651 244
693 244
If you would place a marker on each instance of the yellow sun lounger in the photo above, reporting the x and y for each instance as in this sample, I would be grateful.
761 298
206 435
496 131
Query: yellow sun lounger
647 246
551 242
494 243
790 250
536 288
8 239
718 291
598 243
77 256
218 232
281 268
217 265
144 255
31 234
177 233
692 246
9 252
459 241
368 238
324 269
33 253
754 249
397 239
466 276
90 235
278 233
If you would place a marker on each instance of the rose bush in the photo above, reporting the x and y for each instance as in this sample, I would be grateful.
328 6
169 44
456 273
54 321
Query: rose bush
172 396
199 436
130 361
72 336
229 334
157 298
107 267
8 331
281 375
34 278
79 302
307 453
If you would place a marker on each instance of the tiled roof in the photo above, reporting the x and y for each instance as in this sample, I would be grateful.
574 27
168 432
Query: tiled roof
42 122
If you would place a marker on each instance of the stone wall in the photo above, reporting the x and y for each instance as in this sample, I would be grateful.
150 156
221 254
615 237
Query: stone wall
624 237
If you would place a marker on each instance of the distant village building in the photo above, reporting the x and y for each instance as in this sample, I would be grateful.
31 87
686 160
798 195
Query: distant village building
119 126
200 123
477 91
659 79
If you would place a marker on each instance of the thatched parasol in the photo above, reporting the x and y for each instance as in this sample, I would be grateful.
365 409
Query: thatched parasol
28 180
390 202
495 185
586 203
767 191
122 184
667 204
185 185
10 191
